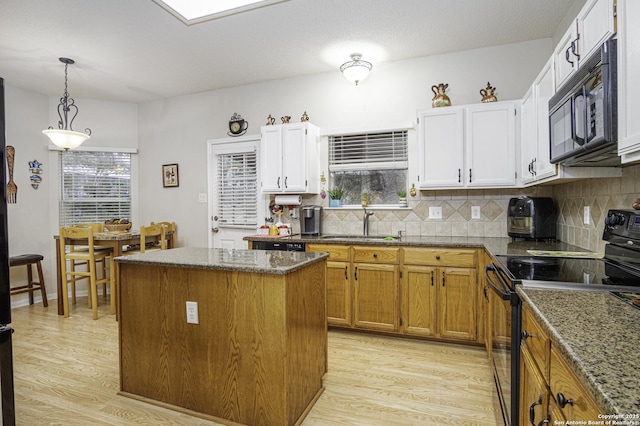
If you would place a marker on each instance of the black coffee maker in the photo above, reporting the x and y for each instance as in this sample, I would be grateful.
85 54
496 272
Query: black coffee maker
311 221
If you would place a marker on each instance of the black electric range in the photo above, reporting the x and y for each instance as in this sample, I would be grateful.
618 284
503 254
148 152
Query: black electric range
618 271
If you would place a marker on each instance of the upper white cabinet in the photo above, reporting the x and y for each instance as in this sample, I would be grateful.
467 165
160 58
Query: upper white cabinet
534 141
441 147
468 146
628 81
289 158
490 148
595 23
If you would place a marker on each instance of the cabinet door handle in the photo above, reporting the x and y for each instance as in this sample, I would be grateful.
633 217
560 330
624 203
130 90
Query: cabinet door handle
470 180
574 43
563 401
566 55
431 278
525 335
442 278
278 182
285 181
532 411
346 276
459 176
356 274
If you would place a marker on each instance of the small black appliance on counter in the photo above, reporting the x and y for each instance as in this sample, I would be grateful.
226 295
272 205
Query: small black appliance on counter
311 221
532 218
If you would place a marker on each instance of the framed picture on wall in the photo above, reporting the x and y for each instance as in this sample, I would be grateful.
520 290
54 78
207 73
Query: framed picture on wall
169 175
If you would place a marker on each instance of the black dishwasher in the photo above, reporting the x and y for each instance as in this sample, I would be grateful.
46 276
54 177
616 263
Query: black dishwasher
277 245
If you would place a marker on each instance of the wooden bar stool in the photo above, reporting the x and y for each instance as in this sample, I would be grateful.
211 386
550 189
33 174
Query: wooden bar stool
31 286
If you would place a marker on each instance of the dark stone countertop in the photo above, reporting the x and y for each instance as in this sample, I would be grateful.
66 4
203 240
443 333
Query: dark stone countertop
254 261
495 246
599 335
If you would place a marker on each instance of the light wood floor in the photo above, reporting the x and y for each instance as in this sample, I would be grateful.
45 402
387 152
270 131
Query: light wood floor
66 373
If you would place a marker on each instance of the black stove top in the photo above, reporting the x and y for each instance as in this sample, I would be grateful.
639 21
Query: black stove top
568 270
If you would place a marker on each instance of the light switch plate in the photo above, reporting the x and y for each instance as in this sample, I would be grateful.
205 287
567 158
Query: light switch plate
435 212
475 212
587 215
202 197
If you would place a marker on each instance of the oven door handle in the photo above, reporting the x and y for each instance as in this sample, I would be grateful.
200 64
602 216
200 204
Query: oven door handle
503 288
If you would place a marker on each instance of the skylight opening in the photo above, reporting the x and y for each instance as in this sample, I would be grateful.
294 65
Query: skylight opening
194 11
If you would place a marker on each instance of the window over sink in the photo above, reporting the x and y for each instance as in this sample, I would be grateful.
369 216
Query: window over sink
369 163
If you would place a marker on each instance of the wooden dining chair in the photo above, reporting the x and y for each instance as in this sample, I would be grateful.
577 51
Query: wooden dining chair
152 238
170 230
89 256
102 262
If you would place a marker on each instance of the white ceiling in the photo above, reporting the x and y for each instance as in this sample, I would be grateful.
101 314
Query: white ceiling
135 51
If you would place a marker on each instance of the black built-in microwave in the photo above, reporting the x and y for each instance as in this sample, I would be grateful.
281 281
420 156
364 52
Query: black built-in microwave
583 114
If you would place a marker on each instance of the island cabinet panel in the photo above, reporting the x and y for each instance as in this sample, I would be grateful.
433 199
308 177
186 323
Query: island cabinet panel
257 355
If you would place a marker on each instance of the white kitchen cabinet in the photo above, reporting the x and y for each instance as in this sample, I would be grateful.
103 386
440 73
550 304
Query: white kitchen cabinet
441 147
490 145
595 24
534 146
289 158
628 82
467 146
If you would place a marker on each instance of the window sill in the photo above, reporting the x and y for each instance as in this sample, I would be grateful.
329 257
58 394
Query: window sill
374 207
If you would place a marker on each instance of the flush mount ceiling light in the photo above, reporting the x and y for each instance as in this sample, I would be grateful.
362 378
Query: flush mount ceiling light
356 70
64 136
195 11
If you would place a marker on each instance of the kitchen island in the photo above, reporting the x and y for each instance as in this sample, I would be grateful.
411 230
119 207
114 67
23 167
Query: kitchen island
258 351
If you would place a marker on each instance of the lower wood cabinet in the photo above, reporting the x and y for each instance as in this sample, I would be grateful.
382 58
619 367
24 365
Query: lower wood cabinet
545 374
375 297
427 292
439 302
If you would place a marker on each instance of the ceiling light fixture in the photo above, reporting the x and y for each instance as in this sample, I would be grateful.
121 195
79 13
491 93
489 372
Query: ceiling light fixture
64 136
356 70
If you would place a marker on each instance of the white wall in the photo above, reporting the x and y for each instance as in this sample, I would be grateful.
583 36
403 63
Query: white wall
176 130
33 220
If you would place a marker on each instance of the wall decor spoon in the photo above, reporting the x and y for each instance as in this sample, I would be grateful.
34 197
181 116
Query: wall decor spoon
12 188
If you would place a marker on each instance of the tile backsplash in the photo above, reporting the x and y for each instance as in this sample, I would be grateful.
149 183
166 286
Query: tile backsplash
570 198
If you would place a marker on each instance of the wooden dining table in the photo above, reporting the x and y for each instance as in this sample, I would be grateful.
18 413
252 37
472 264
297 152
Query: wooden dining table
116 241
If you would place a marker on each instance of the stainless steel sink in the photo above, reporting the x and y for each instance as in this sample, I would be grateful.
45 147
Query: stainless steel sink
359 237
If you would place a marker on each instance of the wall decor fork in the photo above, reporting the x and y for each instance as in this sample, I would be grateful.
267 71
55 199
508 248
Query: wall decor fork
12 188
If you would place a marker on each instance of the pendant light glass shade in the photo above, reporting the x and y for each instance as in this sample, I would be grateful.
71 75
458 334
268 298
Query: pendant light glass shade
356 70
64 136
66 139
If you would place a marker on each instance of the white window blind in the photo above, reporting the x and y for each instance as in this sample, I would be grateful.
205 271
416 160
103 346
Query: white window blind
94 186
237 189
368 151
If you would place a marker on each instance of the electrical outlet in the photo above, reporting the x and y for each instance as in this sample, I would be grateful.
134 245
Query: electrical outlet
435 212
587 215
475 212
192 313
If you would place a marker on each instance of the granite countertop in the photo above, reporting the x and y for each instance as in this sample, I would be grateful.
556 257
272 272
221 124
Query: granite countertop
495 246
255 261
599 335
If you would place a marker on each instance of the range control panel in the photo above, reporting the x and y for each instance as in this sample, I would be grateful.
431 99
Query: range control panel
622 227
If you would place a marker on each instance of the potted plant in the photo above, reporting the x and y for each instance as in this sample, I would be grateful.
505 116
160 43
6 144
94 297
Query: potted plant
402 198
335 197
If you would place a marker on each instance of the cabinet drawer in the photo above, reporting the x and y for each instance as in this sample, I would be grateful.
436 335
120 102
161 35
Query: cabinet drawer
536 340
573 400
440 257
337 253
366 254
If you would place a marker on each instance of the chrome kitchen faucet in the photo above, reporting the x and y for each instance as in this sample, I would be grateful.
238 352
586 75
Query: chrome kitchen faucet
365 222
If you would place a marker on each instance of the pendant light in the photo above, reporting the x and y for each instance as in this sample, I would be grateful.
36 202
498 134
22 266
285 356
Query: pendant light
64 136
356 69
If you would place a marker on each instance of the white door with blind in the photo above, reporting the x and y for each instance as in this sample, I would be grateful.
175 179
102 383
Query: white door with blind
234 200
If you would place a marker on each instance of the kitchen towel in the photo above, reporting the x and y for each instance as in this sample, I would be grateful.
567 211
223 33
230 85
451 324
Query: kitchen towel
289 200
